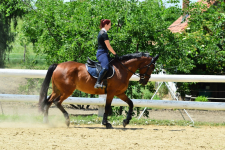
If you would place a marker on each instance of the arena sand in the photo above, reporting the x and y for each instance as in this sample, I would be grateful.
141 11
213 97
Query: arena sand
26 136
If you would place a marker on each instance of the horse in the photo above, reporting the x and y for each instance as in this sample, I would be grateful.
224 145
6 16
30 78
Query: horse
71 75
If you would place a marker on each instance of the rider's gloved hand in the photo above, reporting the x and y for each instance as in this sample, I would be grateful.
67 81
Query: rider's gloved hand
116 56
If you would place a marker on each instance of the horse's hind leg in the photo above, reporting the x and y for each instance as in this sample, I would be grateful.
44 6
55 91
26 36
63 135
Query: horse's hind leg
47 104
46 108
65 113
130 103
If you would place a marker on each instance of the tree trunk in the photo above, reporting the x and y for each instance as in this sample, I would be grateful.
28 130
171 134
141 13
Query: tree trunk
137 47
24 54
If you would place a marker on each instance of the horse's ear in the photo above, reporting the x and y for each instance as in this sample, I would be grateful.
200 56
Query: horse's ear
155 58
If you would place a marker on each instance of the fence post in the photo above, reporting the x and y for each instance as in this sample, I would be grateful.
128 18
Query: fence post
101 108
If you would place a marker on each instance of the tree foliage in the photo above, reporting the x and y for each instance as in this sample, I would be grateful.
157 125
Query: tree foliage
68 31
203 40
10 10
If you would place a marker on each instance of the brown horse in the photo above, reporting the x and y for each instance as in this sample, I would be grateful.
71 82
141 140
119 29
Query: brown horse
68 76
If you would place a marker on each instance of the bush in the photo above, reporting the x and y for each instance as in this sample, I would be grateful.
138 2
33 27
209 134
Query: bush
163 90
147 94
201 99
32 86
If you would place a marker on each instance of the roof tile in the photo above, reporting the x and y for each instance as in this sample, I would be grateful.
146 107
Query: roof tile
177 26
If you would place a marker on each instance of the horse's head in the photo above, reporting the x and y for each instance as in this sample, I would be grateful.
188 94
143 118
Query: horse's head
146 70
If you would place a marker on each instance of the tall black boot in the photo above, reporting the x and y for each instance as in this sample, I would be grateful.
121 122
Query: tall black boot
100 78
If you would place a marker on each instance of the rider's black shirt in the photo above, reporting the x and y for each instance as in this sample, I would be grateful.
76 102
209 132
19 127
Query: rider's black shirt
102 36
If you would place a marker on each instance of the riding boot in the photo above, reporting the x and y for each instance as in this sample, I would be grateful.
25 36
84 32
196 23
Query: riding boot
100 78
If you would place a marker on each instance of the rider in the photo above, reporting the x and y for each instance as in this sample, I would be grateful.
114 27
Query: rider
103 51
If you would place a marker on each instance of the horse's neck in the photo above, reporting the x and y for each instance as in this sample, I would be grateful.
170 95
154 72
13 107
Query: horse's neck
132 65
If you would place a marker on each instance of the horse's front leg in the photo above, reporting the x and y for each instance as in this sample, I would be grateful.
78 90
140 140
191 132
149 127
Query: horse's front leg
105 122
131 105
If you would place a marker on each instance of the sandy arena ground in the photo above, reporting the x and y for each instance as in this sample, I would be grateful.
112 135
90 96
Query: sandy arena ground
26 135
41 137
56 136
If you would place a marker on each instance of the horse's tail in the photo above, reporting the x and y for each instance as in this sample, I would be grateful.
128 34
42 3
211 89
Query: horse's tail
44 89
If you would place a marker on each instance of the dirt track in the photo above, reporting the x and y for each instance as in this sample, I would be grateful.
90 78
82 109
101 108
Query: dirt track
29 136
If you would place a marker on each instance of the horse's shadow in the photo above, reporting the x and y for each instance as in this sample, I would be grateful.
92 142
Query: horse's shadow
115 128
121 128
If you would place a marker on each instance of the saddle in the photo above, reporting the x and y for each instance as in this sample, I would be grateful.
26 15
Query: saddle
94 68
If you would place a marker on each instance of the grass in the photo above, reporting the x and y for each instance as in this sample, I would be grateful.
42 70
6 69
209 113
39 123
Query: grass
16 61
115 121
21 118
94 119
15 58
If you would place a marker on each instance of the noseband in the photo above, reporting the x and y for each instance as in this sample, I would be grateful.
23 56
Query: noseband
142 76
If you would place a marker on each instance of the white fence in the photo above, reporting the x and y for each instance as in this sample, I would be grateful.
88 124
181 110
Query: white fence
26 73
116 102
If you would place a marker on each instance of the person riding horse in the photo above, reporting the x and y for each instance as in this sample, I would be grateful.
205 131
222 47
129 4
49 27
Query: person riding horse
103 51
71 75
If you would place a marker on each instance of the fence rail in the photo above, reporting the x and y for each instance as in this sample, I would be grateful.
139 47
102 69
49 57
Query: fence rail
26 73
118 102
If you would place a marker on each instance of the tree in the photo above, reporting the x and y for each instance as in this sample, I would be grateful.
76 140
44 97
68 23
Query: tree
204 40
68 31
10 10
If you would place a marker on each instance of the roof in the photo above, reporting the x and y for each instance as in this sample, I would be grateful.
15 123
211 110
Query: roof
179 25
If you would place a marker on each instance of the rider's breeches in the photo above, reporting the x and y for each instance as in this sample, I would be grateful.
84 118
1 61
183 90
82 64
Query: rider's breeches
104 60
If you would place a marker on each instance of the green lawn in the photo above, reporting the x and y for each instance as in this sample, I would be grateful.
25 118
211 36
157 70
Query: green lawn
15 58
94 119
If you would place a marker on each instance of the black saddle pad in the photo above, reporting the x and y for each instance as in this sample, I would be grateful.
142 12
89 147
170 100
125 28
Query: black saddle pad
94 69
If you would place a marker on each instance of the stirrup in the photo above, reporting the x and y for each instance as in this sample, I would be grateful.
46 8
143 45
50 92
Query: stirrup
97 85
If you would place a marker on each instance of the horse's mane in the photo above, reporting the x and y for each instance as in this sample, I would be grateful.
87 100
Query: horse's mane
134 55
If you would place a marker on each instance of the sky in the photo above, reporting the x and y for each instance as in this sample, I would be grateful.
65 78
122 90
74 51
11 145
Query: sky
179 4
166 4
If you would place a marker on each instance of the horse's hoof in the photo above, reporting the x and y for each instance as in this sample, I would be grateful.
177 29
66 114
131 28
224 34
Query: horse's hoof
45 120
108 126
125 122
104 123
67 122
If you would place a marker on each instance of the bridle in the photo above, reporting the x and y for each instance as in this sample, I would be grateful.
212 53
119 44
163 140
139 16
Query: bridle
142 76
